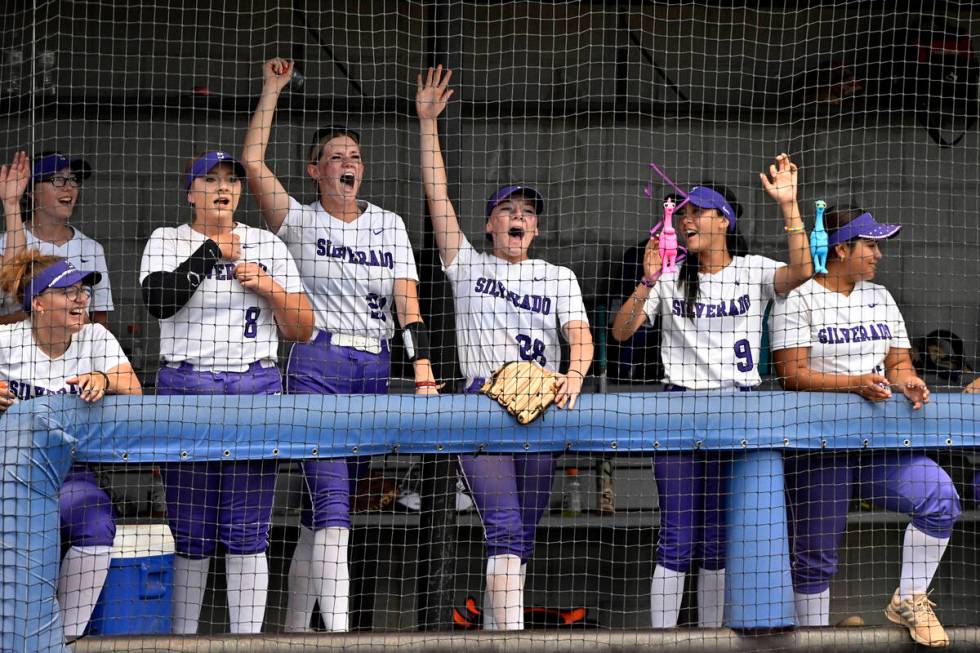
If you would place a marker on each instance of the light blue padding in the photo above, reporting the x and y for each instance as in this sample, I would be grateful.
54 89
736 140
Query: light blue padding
758 585
36 458
38 436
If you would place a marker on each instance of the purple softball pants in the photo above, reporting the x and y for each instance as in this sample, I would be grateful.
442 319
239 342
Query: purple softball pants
319 367
691 489
819 488
86 511
511 493
214 501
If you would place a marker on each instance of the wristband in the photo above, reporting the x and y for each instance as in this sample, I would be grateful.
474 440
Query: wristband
648 282
426 384
416 339
795 230
104 376
576 372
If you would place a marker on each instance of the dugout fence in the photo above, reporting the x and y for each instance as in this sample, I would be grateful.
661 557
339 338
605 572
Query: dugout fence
877 102
42 441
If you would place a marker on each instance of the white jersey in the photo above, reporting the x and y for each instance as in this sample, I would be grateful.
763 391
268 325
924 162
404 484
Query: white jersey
223 327
349 269
83 252
846 334
719 348
510 311
31 373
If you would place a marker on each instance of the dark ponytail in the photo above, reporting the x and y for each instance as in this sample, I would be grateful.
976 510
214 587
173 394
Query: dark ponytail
687 276
837 217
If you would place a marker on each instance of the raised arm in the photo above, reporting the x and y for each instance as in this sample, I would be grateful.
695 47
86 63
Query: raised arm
430 101
781 186
13 184
269 192
631 315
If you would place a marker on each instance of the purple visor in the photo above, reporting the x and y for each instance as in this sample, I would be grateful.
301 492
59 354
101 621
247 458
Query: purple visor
863 226
706 198
58 275
48 165
506 191
206 162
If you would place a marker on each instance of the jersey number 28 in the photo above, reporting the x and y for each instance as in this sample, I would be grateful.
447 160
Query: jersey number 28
531 350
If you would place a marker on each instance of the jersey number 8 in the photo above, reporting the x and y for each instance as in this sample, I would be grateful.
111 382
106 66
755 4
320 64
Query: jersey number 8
251 315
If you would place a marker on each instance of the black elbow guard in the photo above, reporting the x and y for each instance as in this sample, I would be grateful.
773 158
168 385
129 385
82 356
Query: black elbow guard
416 339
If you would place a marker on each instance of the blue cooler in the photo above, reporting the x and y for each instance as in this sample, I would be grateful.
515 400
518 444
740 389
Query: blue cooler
138 592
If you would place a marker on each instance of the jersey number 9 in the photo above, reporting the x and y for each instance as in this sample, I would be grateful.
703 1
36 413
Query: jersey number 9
743 352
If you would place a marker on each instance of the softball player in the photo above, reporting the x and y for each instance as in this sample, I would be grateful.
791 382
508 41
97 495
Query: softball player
355 258
508 307
841 333
55 181
56 350
220 290
711 310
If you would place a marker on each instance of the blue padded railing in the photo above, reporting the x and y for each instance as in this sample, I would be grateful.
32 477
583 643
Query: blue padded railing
43 437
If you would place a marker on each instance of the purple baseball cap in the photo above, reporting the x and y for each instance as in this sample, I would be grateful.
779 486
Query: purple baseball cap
206 162
48 164
863 226
707 198
58 275
514 189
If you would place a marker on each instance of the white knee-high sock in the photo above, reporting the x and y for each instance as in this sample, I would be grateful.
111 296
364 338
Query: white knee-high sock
80 580
921 554
190 579
504 592
489 623
812 609
520 608
331 575
247 580
301 597
666 594
711 598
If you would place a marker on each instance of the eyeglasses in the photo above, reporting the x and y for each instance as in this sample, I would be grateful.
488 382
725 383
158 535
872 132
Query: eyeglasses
74 293
61 182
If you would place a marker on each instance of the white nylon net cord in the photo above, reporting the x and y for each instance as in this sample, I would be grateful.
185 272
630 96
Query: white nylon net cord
876 105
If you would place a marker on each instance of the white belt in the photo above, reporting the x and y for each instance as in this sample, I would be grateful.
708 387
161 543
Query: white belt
360 343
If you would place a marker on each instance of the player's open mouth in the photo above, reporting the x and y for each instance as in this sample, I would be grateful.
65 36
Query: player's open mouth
67 201
515 232
77 312
347 180
689 233
222 202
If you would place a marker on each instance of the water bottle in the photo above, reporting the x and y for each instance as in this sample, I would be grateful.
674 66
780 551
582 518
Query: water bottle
571 500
